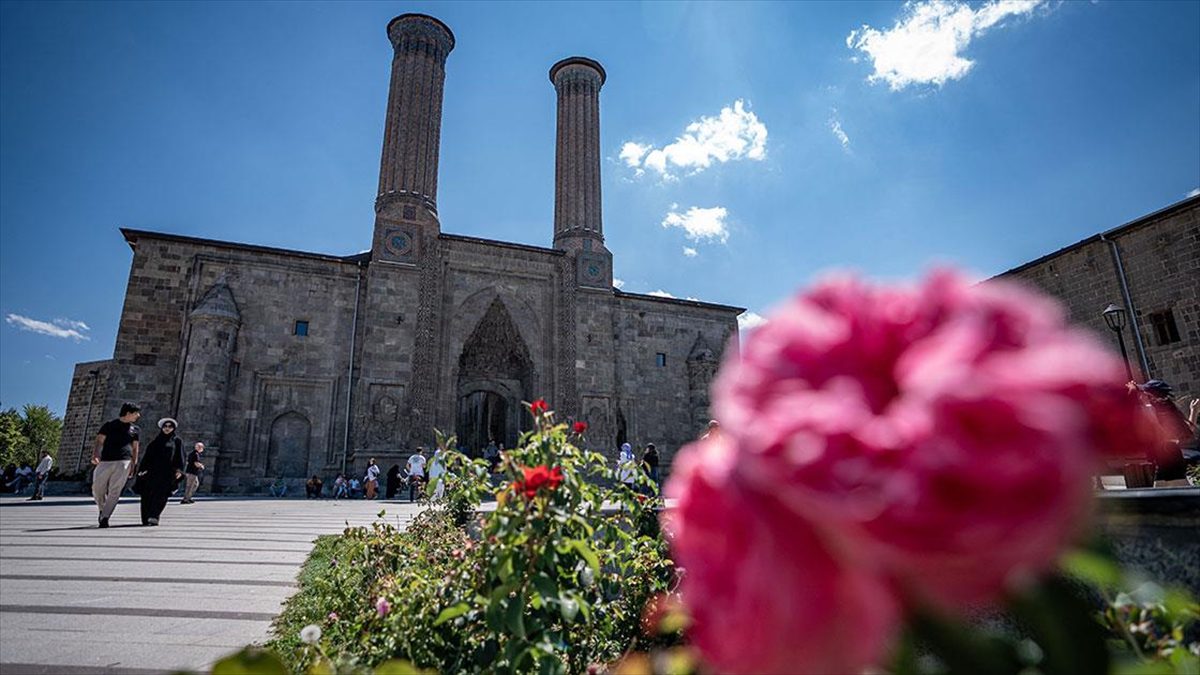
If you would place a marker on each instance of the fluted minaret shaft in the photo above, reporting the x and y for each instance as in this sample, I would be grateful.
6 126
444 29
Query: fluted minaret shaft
408 171
577 151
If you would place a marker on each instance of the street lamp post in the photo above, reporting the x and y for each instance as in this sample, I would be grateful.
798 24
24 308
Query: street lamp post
87 419
1114 316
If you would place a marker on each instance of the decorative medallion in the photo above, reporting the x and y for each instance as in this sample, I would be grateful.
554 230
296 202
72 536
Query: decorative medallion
399 242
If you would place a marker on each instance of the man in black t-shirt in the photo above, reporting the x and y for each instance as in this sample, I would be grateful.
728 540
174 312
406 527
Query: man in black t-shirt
115 456
194 470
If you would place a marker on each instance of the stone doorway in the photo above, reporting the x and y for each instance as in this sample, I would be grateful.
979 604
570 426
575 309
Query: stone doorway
485 416
287 454
495 374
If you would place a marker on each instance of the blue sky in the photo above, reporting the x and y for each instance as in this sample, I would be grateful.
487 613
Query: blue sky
878 137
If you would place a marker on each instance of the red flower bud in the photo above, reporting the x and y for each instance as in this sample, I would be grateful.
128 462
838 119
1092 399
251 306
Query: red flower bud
538 407
580 427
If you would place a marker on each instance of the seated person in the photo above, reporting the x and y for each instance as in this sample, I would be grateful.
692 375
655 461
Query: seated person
355 488
278 488
312 489
340 487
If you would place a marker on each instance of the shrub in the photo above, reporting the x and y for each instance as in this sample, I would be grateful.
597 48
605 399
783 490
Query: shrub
552 580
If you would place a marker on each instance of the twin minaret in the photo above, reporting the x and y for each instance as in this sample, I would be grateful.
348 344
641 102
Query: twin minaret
408 171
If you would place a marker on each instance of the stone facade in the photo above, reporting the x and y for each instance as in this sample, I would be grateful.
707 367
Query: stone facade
287 363
1159 257
85 413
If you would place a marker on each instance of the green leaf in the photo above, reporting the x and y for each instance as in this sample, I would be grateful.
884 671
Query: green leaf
514 617
586 553
545 586
1093 568
399 667
451 612
1061 623
250 661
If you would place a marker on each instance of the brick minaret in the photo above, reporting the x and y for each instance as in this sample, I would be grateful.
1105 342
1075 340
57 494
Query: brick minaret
408 169
578 226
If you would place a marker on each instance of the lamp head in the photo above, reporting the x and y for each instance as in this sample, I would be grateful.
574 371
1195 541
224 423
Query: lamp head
1114 316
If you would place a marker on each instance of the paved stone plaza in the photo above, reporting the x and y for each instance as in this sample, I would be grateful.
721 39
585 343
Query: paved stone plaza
132 599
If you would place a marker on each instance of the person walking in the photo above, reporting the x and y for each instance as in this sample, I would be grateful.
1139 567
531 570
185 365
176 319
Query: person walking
393 481
371 480
492 454
161 466
650 462
42 474
115 456
626 466
193 473
437 469
416 472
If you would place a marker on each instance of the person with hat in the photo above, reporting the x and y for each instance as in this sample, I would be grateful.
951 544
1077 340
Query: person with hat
161 467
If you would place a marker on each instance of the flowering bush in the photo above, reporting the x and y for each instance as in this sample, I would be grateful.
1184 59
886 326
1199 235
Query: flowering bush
888 450
554 579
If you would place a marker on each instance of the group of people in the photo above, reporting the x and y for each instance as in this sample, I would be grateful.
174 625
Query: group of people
416 471
15 479
628 465
157 472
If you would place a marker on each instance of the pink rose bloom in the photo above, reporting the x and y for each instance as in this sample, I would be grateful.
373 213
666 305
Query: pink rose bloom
944 434
382 607
764 593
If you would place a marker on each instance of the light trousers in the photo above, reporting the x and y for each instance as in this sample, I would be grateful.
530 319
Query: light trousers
193 482
108 482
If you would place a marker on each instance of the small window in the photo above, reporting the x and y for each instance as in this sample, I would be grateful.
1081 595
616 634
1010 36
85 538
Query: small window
660 360
1165 330
301 328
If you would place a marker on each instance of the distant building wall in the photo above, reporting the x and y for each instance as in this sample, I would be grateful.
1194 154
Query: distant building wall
85 413
1160 255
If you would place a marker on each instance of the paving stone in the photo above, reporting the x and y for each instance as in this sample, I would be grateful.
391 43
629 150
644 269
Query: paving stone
209 580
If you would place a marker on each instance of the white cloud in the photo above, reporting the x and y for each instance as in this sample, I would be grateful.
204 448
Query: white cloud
700 224
660 293
748 320
690 252
734 134
632 153
835 126
618 283
60 328
925 45
1193 193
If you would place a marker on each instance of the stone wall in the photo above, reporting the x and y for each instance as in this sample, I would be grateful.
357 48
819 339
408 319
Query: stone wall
85 413
658 403
1160 254
273 371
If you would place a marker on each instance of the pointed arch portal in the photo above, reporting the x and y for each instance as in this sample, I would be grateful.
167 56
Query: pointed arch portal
495 374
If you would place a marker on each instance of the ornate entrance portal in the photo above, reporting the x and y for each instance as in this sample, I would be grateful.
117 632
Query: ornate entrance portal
495 374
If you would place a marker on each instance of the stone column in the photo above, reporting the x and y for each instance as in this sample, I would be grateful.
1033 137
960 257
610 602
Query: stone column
212 340
577 80
412 133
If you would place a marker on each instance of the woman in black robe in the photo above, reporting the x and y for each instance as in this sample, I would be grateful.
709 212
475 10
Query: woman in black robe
393 481
162 465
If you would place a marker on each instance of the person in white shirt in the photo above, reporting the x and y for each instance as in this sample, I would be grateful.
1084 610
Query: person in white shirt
371 480
626 465
437 469
43 473
415 468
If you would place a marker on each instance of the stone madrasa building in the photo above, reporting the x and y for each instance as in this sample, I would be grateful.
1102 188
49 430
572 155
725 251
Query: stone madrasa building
288 364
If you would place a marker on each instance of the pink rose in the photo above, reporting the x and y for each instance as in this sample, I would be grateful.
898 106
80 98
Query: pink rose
382 607
764 592
944 434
